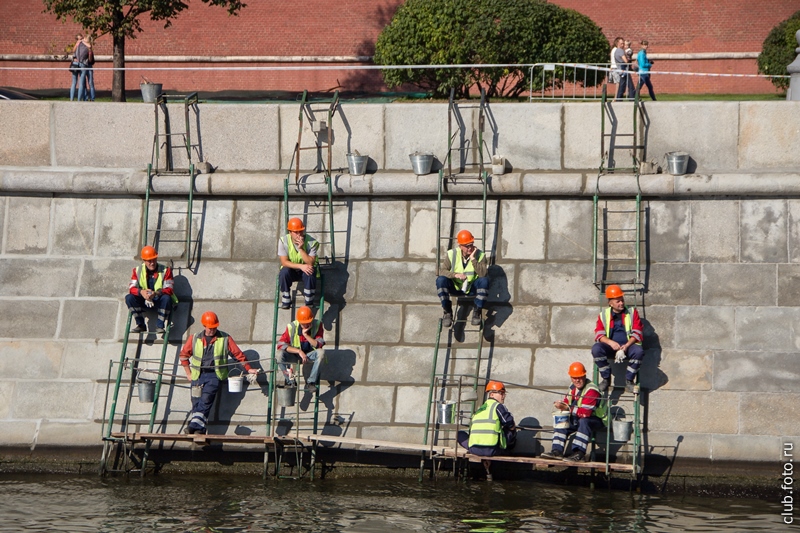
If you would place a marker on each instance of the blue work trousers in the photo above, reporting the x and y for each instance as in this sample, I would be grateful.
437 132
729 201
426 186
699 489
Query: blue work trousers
445 287
604 355
583 428
201 407
288 276
137 306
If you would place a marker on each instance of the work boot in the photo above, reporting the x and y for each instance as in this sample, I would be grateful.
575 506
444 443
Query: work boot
603 385
160 330
139 328
311 387
576 457
629 385
188 430
447 319
286 306
555 454
477 316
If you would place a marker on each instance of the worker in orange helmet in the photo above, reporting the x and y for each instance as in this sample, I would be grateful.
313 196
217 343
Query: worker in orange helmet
298 255
302 341
204 358
492 429
463 273
151 286
618 336
587 414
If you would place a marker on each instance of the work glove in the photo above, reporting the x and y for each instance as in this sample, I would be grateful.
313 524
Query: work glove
252 378
149 303
620 356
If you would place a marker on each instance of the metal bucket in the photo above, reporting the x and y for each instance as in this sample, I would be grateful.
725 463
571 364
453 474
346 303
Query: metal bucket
286 396
421 163
357 164
621 429
447 412
147 391
235 382
150 91
498 165
677 163
561 419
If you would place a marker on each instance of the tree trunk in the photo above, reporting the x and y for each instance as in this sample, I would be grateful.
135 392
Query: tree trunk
118 80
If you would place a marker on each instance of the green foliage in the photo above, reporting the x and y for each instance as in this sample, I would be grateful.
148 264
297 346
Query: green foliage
441 32
121 17
779 50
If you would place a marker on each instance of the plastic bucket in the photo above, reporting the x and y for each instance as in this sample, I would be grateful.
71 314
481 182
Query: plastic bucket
561 419
621 429
286 395
677 163
235 383
447 412
357 164
150 91
421 163
147 391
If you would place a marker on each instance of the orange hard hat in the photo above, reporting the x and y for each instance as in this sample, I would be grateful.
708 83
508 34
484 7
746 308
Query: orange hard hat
295 224
148 253
465 237
577 370
495 386
614 291
210 319
304 315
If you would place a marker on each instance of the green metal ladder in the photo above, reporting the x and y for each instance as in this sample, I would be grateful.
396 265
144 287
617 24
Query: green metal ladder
459 381
617 228
454 116
173 225
110 460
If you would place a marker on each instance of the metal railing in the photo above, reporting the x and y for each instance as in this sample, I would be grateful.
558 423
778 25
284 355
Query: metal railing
572 81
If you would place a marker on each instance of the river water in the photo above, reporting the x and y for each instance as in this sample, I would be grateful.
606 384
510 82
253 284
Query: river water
221 503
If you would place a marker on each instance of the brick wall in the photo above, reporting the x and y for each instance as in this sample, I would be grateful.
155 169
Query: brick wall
314 27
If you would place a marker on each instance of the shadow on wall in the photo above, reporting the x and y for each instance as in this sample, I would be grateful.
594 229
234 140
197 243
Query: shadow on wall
499 310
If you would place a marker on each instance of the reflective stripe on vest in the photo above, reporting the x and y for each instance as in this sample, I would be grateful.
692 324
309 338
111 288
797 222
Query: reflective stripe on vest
457 267
605 317
599 411
220 356
294 331
159 284
294 254
485 429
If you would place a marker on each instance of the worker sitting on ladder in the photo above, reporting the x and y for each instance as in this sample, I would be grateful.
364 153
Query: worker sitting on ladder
463 273
618 334
151 286
205 359
587 414
492 429
302 340
298 255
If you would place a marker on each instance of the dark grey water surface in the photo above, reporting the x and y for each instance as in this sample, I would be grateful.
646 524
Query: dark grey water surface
229 503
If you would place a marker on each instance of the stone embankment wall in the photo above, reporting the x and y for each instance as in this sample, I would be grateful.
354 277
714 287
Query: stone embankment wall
721 264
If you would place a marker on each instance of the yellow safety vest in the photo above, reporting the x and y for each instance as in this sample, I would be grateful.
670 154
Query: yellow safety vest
457 267
485 429
599 411
294 254
294 331
605 317
159 280
220 356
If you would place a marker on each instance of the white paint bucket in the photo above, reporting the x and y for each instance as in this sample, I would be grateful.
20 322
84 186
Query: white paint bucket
235 383
561 419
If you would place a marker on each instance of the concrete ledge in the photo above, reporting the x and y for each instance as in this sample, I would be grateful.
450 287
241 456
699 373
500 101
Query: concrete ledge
127 181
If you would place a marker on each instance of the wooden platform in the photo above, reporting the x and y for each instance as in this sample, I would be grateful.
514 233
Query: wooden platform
440 451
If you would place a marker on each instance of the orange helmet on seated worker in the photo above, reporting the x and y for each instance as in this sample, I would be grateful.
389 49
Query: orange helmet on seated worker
495 386
295 224
210 319
465 237
577 370
148 253
304 315
614 291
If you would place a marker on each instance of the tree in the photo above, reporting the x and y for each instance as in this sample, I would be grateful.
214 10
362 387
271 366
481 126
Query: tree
121 19
778 51
512 32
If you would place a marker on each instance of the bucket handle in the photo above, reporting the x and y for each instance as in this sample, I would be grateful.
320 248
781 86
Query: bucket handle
235 368
147 372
